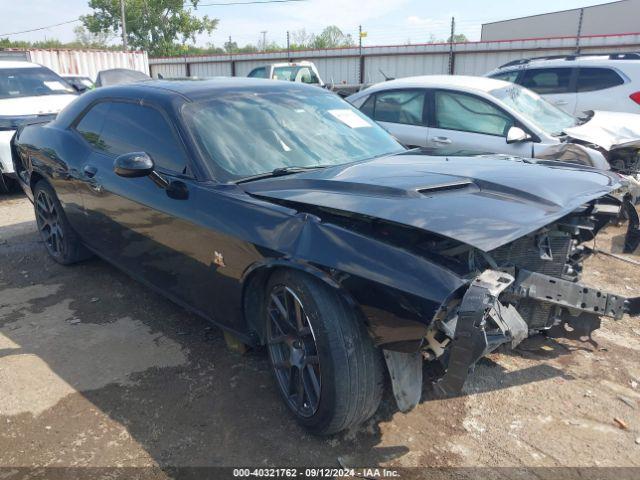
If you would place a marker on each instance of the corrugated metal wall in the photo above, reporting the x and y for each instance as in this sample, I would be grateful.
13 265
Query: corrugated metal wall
88 62
343 65
605 19
211 69
170 70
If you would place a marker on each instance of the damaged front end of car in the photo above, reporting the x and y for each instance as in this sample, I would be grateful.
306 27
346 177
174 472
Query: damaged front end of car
523 288
447 259
603 140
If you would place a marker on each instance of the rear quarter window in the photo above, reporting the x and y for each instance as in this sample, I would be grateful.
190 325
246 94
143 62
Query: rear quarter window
592 79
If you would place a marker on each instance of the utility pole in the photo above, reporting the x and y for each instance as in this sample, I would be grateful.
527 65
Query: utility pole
264 40
233 64
579 32
360 54
124 26
451 40
288 47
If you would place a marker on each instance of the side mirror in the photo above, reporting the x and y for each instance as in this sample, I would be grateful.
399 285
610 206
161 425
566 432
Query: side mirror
133 165
516 135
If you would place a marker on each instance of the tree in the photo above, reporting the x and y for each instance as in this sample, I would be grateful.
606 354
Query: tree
230 47
300 39
87 39
158 26
331 37
458 38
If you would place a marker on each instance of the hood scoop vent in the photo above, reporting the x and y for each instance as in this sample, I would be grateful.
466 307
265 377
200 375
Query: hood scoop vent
447 187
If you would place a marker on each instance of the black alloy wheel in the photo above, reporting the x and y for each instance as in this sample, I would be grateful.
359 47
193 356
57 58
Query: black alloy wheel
59 237
49 224
293 351
326 367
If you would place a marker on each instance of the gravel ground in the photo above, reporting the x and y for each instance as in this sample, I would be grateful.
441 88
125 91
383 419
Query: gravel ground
98 371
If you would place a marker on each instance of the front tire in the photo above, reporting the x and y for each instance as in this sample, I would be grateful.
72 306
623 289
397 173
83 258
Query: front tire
59 238
328 371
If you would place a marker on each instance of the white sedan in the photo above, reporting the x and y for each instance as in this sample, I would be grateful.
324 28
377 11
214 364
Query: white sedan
493 116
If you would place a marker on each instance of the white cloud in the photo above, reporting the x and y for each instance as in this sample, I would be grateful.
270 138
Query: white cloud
416 21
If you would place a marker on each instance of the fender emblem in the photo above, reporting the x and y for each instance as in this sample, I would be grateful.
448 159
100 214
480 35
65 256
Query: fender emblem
218 259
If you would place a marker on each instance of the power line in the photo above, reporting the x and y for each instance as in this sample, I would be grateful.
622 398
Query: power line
218 4
41 28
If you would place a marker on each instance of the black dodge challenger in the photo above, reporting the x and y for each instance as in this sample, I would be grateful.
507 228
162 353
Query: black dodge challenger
284 215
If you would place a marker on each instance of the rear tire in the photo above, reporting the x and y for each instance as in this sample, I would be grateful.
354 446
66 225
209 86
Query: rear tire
312 333
60 240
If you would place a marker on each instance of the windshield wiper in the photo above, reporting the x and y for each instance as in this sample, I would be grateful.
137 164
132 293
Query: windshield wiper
279 172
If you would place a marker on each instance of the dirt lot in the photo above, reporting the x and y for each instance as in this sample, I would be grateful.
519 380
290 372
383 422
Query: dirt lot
96 370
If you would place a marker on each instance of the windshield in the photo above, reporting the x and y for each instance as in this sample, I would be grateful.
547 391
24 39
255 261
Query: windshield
247 133
535 109
30 82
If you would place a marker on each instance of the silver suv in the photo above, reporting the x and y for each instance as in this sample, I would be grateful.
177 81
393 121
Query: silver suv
579 83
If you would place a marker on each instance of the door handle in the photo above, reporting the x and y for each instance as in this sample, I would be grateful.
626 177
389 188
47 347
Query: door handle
443 140
560 102
90 171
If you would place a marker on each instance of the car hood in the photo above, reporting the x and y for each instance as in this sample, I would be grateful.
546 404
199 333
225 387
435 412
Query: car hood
609 130
484 201
38 105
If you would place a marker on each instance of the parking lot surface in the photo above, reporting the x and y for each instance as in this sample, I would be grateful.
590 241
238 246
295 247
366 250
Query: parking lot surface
98 371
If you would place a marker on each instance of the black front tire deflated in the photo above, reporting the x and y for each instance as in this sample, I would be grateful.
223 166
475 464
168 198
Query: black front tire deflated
351 368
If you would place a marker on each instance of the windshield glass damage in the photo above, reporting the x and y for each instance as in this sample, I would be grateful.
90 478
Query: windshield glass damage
537 110
248 133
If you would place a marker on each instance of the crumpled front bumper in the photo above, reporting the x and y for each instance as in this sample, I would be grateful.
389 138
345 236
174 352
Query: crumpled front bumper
484 322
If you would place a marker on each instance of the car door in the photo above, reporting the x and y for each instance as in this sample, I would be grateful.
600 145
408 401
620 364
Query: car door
402 113
556 85
469 122
142 226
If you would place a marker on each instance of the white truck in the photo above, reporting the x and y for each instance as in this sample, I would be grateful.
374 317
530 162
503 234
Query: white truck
304 71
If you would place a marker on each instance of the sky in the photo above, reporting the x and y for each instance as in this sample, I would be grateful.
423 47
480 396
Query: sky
387 22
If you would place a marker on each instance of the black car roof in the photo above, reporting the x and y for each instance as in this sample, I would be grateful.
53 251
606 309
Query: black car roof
198 88
171 94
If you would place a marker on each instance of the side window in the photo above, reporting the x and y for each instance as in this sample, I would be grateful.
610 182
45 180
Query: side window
592 79
367 106
129 127
258 73
307 75
457 111
547 80
90 126
406 107
507 76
